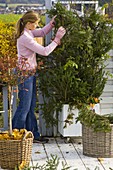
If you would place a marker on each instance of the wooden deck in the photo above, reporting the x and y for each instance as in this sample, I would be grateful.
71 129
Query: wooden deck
70 153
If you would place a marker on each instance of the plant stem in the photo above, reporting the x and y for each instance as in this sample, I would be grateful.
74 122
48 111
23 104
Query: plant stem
10 107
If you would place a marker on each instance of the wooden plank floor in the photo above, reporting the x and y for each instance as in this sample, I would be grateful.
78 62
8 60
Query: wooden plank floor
70 153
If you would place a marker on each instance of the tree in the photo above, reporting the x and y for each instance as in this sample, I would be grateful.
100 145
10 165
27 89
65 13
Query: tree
9 62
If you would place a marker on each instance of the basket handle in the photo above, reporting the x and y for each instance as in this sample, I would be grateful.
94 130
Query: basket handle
27 135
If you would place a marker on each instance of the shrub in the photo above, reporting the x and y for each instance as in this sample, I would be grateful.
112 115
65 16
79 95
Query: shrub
75 71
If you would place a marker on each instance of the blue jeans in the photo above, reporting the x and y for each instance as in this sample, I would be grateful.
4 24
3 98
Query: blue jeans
24 116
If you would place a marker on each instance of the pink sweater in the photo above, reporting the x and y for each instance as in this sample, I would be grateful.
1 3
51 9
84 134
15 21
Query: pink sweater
27 47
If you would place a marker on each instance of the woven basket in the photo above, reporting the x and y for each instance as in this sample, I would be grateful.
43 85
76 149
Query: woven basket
14 152
97 144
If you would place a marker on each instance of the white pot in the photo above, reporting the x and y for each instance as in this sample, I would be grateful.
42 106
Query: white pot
72 130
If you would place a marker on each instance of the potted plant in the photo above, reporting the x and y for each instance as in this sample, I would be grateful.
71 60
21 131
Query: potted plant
15 145
97 133
75 72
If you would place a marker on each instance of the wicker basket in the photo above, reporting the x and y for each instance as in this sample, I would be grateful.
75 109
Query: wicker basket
14 152
97 144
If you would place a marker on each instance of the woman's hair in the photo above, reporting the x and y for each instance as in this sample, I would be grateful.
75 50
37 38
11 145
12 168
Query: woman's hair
29 16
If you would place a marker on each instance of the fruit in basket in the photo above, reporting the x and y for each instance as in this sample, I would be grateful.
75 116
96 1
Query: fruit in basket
23 131
1 137
16 134
6 136
22 165
15 130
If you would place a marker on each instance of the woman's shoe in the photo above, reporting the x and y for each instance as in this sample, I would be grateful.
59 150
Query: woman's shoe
41 140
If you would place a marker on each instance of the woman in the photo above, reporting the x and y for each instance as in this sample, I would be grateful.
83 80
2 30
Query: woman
27 48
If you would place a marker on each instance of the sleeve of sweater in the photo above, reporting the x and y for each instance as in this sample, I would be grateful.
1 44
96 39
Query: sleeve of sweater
31 44
42 31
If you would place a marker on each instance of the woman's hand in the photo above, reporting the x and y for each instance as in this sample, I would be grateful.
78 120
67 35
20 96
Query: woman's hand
52 22
60 33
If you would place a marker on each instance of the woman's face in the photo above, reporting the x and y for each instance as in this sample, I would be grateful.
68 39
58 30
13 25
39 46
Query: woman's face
32 26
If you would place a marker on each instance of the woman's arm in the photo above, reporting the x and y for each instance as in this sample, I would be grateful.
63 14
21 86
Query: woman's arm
37 48
43 31
31 44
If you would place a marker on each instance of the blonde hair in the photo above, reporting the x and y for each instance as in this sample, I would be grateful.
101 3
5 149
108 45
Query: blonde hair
29 16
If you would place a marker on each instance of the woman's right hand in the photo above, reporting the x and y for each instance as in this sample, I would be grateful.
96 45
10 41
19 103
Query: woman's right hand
60 33
52 22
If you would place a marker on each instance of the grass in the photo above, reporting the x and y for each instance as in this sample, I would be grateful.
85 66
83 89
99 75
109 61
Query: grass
13 18
9 18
